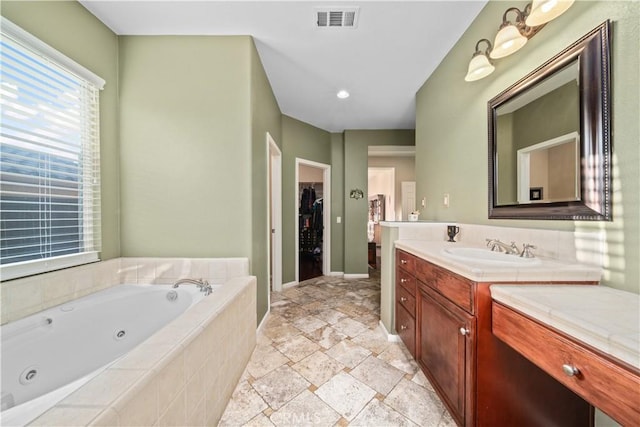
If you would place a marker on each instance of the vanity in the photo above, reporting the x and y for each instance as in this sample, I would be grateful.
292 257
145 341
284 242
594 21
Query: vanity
443 314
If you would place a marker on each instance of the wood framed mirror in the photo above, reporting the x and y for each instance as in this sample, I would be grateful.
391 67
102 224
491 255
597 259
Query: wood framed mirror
550 138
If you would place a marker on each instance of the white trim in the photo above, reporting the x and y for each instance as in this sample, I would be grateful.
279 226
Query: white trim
289 285
36 45
356 276
390 337
326 216
336 273
263 321
274 175
36 266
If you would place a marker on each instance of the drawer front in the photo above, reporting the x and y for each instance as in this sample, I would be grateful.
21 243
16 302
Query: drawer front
406 280
406 261
425 271
406 328
406 299
457 289
607 385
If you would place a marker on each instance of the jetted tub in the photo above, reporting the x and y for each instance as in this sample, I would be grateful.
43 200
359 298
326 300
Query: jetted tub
48 355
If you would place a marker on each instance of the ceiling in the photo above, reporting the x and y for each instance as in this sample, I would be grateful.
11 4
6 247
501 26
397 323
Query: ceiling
382 62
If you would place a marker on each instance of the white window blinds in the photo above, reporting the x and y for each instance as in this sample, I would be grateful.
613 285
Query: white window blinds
49 158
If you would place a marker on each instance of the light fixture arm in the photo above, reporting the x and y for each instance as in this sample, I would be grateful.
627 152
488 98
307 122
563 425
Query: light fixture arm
487 51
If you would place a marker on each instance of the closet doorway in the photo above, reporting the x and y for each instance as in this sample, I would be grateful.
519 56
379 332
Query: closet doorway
313 185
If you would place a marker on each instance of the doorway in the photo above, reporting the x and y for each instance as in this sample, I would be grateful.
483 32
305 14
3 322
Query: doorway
274 220
313 185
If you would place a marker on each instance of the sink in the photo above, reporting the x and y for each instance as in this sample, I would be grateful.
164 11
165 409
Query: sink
481 255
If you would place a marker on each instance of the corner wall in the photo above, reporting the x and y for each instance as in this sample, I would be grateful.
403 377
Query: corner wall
451 128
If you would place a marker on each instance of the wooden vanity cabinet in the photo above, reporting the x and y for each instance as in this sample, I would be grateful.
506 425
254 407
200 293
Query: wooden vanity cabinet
481 380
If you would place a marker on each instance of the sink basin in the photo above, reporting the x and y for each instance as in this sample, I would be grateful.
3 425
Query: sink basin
481 255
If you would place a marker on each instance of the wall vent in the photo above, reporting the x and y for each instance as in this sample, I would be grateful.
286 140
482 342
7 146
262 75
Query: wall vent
337 17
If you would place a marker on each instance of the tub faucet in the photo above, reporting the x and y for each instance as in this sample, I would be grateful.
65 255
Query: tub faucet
497 245
200 283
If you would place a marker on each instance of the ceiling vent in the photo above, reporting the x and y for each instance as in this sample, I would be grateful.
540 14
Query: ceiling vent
337 17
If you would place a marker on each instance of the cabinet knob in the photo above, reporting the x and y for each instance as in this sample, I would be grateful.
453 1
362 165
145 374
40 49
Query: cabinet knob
403 327
403 280
402 299
464 331
570 370
403 261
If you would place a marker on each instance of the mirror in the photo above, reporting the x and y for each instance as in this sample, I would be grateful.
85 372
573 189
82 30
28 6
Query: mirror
549 138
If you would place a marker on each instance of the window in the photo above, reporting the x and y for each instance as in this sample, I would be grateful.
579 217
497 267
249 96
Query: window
49 158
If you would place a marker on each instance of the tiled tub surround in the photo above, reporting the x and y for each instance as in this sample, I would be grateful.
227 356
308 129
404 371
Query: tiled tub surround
23 297
185 373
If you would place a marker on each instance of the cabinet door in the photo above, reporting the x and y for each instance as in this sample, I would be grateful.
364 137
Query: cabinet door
446 346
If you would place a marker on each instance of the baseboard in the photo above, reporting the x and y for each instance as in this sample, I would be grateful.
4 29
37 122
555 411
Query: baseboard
356 276
289 285
390 337
263 321
337 274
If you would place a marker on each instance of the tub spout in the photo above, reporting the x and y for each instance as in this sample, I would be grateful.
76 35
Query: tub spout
200 283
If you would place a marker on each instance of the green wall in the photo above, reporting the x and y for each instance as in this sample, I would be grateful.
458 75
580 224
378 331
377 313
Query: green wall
185 146
265 117
59 24
356 143
337 202
451 128
303 141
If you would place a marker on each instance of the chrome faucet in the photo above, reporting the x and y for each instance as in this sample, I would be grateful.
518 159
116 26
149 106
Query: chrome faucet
200 283
497 245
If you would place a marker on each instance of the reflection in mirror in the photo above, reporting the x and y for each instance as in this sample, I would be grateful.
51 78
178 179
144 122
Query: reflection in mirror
529 126
549 138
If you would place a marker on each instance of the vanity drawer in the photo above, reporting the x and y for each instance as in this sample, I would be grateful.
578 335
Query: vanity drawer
406 328
406 261
406 299
612 387
425 271
458 290
406 280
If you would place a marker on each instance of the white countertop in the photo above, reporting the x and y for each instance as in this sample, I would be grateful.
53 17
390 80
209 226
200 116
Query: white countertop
542 270
605 318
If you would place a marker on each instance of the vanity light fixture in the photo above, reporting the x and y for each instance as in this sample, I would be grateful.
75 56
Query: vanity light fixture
513 36
480 65
342 94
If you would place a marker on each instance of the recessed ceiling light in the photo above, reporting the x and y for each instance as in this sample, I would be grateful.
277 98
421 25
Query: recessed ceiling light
342 94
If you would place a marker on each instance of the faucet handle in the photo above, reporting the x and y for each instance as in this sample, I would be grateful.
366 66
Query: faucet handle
526 250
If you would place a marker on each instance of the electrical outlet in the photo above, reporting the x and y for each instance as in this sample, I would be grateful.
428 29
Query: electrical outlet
424 202
338 219
445 200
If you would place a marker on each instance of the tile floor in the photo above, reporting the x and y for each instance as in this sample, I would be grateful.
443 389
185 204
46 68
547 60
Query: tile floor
321 360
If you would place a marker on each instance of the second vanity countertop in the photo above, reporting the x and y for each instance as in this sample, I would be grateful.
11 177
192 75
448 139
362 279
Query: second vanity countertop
605 318
543 270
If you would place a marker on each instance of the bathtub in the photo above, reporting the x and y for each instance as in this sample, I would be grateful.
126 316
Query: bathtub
49 355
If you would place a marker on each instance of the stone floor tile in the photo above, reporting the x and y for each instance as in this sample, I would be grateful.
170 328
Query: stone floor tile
379 414
377 374
326 337
318 368
264 360
416 403
297 348
280 386
373 340
306 409
330 315
244 405
397 355
282 333
308 324
350 327
347 353
446 420
420 379
345 394
260 420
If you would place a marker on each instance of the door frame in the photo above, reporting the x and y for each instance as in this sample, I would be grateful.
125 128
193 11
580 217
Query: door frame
326 215
274 216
